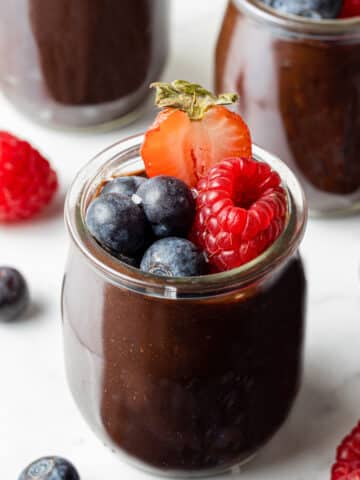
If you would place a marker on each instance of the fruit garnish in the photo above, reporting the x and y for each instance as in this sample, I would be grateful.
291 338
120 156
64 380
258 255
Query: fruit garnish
124 185
350 8
168 204
50 468
173 257
315 9
27 182
347 466
193 132
14 294
117 223
240 211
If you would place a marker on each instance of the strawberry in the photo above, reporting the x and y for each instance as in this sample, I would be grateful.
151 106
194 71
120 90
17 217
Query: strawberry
193 132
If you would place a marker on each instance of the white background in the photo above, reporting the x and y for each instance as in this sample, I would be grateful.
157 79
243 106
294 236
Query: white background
37 414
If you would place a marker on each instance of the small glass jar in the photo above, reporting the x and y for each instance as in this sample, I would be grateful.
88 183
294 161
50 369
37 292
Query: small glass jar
182 376
299 86
82 63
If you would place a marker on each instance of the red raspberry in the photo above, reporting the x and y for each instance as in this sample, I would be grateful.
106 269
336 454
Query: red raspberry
347 466
240 211
350 8
27 182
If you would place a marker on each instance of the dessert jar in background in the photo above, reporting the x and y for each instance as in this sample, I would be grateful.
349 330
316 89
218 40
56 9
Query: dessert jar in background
83 63
184 376
299 86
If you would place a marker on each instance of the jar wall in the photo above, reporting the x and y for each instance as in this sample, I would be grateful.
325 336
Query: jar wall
82 63
301 99
189 386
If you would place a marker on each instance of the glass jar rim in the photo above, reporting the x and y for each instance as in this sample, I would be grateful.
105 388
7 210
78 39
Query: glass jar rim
100 168
324 28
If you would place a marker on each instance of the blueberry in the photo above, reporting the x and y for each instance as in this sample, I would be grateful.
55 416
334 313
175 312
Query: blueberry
124 185
50 468
173 257
168 205
316 9
117 223
14 294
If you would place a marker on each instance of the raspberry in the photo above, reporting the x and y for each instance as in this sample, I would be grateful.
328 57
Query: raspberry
347 466
350 8
27 182
240 212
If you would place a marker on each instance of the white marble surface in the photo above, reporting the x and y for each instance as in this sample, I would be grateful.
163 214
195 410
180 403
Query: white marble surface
37 414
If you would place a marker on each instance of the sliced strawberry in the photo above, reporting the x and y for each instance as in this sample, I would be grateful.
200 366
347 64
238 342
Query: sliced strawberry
184 147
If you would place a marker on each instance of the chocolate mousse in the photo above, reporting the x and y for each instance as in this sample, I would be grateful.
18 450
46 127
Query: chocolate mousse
300 94
184 384
92 51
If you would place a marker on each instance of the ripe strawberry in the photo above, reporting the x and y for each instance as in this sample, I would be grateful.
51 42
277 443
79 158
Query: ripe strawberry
350 8
240 211
193 132
27 182
347 466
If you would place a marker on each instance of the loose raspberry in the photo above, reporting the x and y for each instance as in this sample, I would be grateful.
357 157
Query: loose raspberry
350 8
347 466
240 212
27 182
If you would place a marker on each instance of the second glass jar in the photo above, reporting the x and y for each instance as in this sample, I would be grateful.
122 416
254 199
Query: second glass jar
299 87
82 63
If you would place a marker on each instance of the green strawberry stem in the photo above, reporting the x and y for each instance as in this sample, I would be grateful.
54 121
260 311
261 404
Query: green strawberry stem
191 98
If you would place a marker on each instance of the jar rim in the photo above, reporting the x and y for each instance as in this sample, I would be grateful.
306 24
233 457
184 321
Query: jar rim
101 167
326 28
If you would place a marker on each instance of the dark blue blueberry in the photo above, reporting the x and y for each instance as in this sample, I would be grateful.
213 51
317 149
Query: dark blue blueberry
50 468
117 223
168 205
316 9
173 257
14 294
124 185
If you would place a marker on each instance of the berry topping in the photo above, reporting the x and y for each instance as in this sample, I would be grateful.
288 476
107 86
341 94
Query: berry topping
50 468
168 205
240 211
316 9
124 185
14 294
193 133
173 257
350 8
27 182
347 466
117 223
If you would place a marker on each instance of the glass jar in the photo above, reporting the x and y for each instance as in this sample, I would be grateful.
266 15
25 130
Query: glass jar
182 376
299 86
81 63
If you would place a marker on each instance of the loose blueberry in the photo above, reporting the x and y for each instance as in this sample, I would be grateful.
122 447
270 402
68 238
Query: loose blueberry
50 468
124 185
173 257
316 9
168 205
14 294
117 223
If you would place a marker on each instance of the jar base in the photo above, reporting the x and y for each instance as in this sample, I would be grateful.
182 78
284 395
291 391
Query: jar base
211 472
45 118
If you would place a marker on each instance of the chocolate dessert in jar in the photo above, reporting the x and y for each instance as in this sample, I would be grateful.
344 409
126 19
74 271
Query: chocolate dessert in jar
298 78
84 63
185 373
